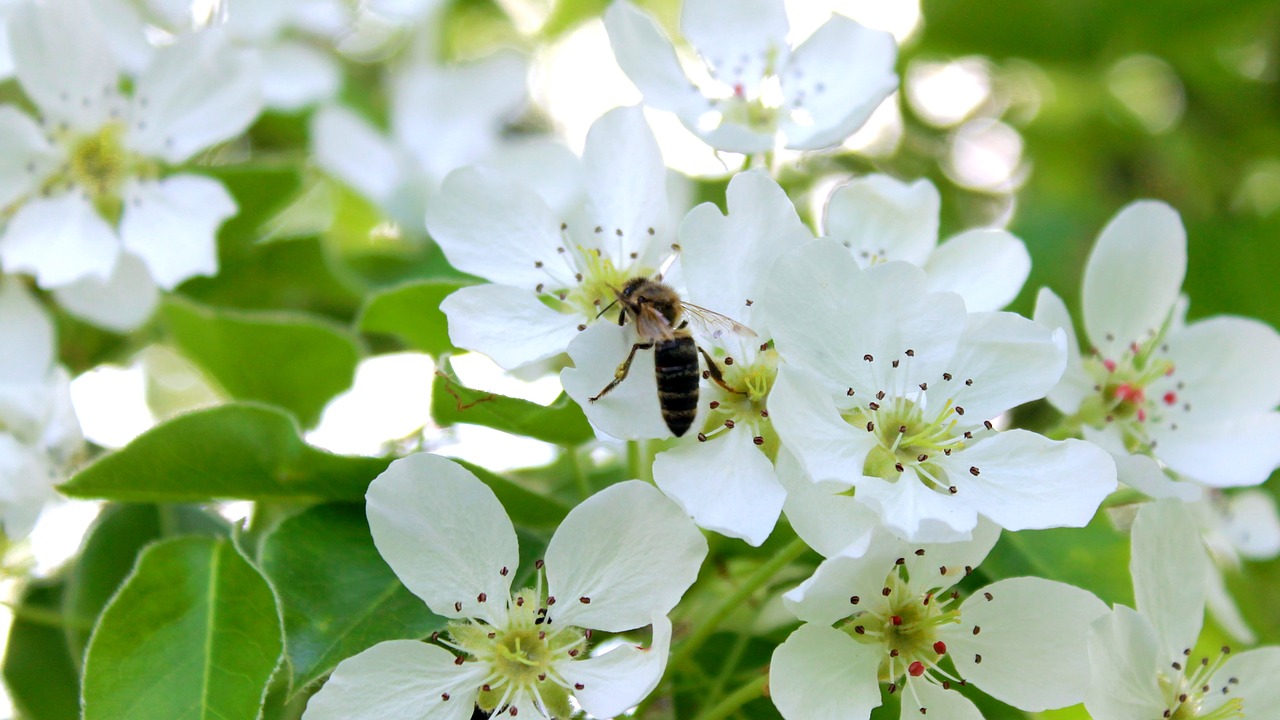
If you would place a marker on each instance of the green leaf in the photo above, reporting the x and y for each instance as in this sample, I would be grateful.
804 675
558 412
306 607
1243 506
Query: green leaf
526 507
110 550
1095 557
259 192
39 670
562 422
411 312
194 633
284 359
243 451
337 594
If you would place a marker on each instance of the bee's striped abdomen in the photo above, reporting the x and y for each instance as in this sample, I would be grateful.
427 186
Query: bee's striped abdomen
675 362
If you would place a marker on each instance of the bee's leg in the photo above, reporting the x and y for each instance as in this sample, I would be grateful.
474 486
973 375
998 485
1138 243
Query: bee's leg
713 370
621 373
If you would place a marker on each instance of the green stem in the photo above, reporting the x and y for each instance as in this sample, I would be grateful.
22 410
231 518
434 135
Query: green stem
731 661
49 618
579 473
749 586
736 699
639 461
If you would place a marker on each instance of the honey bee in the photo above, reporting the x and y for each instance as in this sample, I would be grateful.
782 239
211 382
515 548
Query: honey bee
661 322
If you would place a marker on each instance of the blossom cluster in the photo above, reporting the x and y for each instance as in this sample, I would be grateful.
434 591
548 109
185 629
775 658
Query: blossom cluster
851 382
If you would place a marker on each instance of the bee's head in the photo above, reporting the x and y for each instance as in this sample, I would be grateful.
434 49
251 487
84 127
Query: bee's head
632 285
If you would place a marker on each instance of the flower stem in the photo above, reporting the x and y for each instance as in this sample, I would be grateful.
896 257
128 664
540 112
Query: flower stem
736 699
49 618
639 461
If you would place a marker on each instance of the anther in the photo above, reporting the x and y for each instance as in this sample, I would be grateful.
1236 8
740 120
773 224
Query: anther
537 264
893 688
706 374
513 711
728 424
444 696
457 607
873 406
898 467
969 381
486 688
885 592
868 357
973 470
959 410
503 572
618 232
758 440
910 353
924 386
946 376
551 600
976 629
481 597
893 652
919 552
942 569
584 600
977 659
457 660
880 395
859 629
940 648
581 328
650 231
537 564
519 602
952 489
702 437
728 361
988 596
871 427
895 363
435 636
538 289
987 424
968 435
542 677
854 599
900 561
902 429
492 635
579 686
564 226
895 620
714 404
946 451
749 302
916 668
573 652
921 457
849 392
599 229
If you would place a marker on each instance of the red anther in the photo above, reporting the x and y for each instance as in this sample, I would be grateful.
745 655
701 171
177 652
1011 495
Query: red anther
1170 398
1169 372
940 648
1142 415
1110 365
579 686
457 660
714 404
1130 393
896 620
739 90
916 669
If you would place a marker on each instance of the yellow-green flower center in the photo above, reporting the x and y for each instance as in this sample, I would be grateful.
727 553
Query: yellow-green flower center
746 407
1133 391
1190 687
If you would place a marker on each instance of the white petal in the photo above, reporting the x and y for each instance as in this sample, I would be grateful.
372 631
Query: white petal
824 514
1255 672
1168 564
448 117
445 535
627 186
1144 474
823 673
350 149
915 512
986 267
881 216
646 55
738 40
957 557
121 303
828 595
631 410
1033 642
257 21
619 679
295 75
400 679
735 137
26 486
839 76
196 92
492 226
725 484
948 704
1133 276
63 62
1075 384
545 166
1125 659
1226 367
727 259
26 158
172 225
1252 524
59 240
629 551
508 324
1238 452
1010 359
27 352
1027 481
804 413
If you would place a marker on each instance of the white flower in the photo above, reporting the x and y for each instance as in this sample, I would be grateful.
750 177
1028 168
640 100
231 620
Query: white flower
1196 401
39 434
890 389
619 561
1142 663
891 617
760 90
726 480
295 73
880 218
554 255
442 118
1241 525
83 191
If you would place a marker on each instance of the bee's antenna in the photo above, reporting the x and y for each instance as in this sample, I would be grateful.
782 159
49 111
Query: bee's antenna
606 308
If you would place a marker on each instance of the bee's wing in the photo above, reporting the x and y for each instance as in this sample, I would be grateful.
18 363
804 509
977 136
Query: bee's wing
713 324
652 324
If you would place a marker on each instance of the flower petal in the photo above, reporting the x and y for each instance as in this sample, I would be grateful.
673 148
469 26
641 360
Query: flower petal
828 595
839 76
27 352
1133 276
627 187
621 556
1010 359
648 58
1254 672
63 62
725 484
26 157
1226 367
824 514
739 40
171 224
806 417
1168 564
492 226
197 92
1238 452
916 512
1075 384
59 240
1252 524
400 679
618 680
1026 481
986 267
631 410
1144 474
445 535
26 485
820 672
1027 662
881 217
547 167
1125 659
351 150
508 324
295 75
122 302
948 704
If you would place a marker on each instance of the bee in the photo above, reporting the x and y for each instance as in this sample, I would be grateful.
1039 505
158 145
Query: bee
661 322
